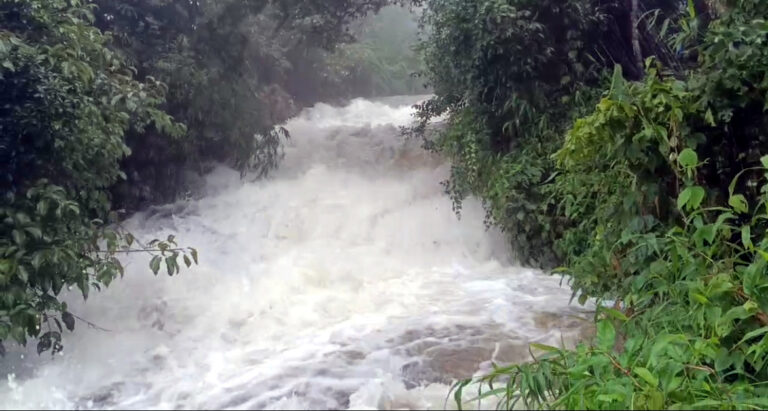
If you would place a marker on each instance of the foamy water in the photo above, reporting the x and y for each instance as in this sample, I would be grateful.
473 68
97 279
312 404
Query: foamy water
343 281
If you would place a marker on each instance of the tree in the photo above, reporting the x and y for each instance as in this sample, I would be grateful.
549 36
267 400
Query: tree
67 100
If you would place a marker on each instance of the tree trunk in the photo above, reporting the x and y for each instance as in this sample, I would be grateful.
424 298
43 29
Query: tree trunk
635 30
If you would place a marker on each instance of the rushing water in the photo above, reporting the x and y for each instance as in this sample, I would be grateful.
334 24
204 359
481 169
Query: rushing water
344 280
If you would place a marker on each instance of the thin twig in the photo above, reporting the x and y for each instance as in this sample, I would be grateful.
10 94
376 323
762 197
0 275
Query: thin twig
150 251
700 368
92 325
622 369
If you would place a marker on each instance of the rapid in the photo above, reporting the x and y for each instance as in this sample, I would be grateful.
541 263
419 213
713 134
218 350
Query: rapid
344 280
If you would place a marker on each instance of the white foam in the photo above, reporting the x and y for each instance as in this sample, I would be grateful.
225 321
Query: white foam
316 288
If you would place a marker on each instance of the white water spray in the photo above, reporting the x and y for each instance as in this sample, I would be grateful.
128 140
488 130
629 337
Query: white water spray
343 281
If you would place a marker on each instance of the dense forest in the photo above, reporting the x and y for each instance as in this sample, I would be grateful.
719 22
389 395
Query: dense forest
621 144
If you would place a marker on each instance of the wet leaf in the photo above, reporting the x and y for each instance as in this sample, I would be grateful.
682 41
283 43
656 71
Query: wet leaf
154 264
688 158
44 344
606 335
69 320
647 376
746 237
615 314
22 274
739 203
35 232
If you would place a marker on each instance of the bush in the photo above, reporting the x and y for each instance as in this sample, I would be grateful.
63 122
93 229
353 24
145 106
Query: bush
523 70
692 329
663 191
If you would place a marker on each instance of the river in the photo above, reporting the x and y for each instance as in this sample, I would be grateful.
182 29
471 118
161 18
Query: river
344 280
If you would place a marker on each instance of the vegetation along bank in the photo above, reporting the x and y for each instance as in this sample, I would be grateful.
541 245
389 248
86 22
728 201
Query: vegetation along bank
624 143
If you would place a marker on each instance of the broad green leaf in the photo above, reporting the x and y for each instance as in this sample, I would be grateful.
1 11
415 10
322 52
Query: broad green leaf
44 345
688 158
707 232
764 161
37 260
35 232
583 299
22 274
699 298
656 400
739 203
616 314
42 208
746 237
606 335
154 265
661 344
709 118
691 198
723 359
170 264
647 376
69 320
691 9
697 196
18 237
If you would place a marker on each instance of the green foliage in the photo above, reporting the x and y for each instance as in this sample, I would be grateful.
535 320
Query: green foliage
661 194
67 101
523 70
692 334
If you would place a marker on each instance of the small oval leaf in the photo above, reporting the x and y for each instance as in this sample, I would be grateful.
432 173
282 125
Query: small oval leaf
154 265
688 158
69 320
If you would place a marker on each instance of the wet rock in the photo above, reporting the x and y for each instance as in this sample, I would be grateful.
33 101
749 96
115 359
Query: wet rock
101 399
457 363
352 356
574 328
